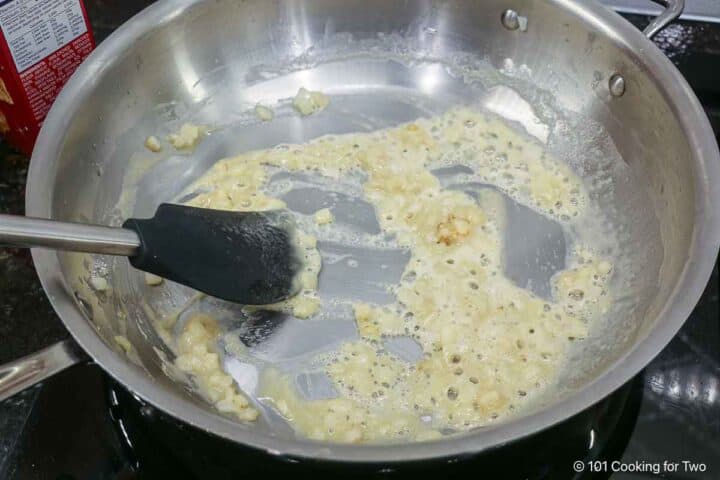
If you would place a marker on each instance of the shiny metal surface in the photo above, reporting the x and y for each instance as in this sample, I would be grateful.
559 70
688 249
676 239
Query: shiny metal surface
75 237
23 373
206 61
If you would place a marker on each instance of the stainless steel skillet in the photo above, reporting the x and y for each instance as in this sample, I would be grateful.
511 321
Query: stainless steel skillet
579 67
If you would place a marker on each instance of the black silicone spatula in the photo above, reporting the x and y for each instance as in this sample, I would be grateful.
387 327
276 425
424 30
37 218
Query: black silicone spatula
244 257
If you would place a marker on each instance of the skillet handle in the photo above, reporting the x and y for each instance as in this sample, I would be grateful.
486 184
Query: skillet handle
27 371
673 9
22 231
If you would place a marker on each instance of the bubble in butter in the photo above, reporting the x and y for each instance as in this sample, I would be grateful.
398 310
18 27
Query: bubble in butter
489 347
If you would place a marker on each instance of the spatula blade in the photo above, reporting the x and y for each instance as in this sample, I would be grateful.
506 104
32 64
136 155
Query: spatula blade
243 257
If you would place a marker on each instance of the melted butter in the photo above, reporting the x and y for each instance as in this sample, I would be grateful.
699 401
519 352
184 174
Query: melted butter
186 137
307 102
153 144
323 217
489 346
264 113
341 419
197 355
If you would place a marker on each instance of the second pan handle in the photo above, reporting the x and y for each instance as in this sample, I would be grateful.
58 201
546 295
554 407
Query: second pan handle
673 10
27 371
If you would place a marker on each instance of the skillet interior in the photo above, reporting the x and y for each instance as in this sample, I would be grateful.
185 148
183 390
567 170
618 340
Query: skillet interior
383 63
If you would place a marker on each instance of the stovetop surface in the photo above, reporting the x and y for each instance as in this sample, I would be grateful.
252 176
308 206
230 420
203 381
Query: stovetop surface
67 427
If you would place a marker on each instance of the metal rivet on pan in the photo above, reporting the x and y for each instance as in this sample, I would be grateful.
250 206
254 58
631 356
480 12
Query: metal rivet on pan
510 19
617 85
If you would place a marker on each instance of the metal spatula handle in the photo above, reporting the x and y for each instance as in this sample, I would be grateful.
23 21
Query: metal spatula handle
20 231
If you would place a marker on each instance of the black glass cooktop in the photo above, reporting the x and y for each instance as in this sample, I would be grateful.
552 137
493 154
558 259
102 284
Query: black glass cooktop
81 425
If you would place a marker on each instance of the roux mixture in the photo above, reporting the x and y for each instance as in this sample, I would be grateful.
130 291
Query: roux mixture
489 347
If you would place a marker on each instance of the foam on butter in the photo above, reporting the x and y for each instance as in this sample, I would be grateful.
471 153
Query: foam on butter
489 347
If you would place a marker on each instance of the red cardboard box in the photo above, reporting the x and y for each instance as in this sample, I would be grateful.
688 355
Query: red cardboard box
42 42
